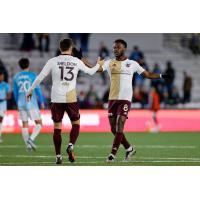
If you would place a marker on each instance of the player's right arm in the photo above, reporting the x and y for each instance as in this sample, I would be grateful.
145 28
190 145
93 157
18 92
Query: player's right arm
45 71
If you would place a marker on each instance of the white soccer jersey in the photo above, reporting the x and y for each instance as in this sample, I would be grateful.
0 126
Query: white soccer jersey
121 74
64 70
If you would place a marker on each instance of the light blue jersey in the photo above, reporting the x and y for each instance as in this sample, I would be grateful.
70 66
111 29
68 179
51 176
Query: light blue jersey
4 90
21 83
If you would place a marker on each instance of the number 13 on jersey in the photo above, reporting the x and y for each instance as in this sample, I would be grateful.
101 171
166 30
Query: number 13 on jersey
66 73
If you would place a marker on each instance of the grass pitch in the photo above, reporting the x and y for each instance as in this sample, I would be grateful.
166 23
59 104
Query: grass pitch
163 149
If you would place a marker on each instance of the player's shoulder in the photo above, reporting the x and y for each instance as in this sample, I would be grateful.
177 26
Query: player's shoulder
53 59
4 84
16 75
32 74
132 62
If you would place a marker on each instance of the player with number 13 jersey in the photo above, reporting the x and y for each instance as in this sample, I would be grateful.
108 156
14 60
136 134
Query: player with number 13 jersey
64 70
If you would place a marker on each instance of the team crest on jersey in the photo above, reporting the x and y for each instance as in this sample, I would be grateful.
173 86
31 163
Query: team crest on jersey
128 64
125 107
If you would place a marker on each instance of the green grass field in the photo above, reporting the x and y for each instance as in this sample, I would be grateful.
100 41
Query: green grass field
163 149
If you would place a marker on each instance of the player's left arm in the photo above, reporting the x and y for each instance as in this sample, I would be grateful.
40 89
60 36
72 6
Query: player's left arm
88 70
151 75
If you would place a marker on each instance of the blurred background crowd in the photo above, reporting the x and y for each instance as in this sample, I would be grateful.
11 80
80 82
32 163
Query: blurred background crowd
175 54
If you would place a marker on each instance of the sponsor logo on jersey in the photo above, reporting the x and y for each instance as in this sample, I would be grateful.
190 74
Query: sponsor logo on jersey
125 108
128 64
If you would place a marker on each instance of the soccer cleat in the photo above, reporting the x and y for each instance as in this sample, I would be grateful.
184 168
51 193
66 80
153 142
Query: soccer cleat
32 144
29 148
129 153
70 153
58 159
111 158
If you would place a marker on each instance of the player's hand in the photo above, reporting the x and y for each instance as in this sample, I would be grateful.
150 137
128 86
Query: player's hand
166 76
77 53
100 61
29 95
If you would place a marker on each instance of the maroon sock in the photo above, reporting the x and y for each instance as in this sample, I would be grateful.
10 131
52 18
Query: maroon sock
116 142
124 141
57 139
74 133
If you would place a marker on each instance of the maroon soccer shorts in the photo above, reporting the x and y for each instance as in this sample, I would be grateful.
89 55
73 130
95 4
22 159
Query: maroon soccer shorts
58 110
118 107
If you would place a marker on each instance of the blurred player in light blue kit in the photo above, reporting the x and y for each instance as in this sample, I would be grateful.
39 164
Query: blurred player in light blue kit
5 94
28 109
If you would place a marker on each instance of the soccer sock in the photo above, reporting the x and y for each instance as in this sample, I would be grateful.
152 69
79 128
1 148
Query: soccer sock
74 133
124 141
1 129
25 134
36 131
57 139
117 142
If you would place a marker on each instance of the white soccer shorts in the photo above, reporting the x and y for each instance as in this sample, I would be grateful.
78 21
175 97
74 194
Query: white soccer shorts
33 114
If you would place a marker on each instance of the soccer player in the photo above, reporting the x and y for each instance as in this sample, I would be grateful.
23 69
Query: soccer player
21 83
5 94
121 71
154 105
64 69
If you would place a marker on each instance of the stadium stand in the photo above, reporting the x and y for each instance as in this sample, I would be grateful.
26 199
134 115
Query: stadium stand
157 48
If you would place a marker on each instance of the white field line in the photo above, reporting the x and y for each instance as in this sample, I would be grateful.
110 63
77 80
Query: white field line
108 146
134 160
101 157
96 162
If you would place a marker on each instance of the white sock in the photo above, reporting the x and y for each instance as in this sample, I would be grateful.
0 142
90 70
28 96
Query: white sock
25 134
1 129
36 131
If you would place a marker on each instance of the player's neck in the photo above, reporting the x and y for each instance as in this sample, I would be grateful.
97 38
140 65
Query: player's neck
25 70
121 58
66 53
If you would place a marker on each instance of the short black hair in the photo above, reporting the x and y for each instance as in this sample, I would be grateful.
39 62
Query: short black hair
24 63
121 41
65 44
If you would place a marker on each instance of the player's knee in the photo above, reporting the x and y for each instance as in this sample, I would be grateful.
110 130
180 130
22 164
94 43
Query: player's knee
38 122
57 125
25 124
113 129
76 122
